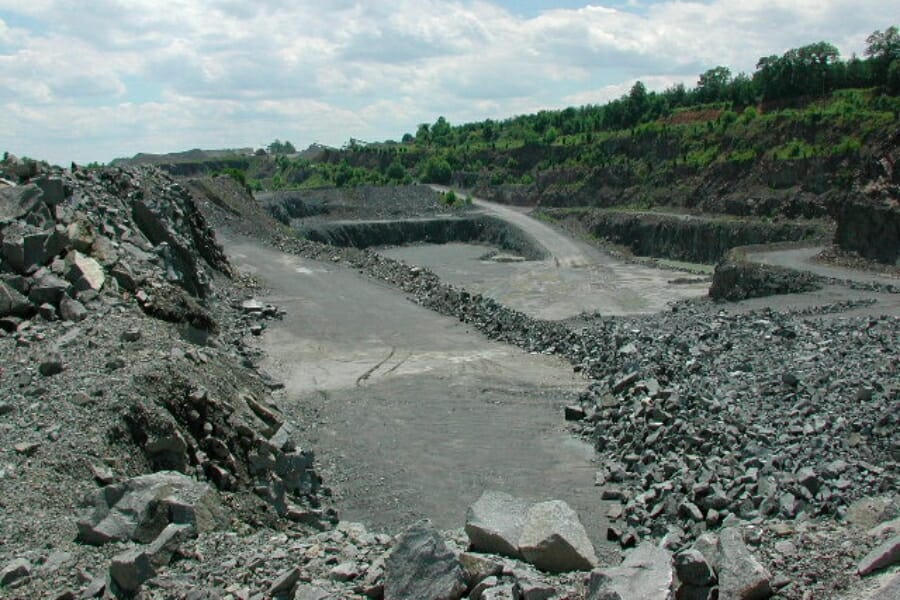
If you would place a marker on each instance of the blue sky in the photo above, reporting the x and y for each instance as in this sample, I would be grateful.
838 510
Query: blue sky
93 81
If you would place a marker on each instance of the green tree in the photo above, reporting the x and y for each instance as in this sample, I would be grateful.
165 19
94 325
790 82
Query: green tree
437 170
883 49
713 84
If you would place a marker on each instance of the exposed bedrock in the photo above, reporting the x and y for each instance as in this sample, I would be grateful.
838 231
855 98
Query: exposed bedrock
679 237
871 229
365 234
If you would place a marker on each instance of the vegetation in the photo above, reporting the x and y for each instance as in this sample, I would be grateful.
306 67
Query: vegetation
805 104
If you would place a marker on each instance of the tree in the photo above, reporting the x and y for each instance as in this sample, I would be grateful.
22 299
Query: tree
883 49
395 172
713 84
279 147
437 170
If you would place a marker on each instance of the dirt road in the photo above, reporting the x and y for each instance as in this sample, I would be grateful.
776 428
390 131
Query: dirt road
411 414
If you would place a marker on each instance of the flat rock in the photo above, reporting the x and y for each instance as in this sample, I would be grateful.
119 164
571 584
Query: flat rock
554 540
420 565
494 523
882 556
645 574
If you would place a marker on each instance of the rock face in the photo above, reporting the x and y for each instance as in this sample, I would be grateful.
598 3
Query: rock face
140 509
421 566
494 523
553 539
735 280
871 229
646 574
693 239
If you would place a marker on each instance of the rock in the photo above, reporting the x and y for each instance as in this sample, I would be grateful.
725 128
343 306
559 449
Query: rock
494 523
478 567
740 575
884 555
53 188
285 582
84 272
345 571
574 413
692 568
645 574
47 312
306 591
141 508
166 543
18 201
23 248
48 288
131 569
554 540
15 571
483 585
13 303
71 310
53 365
528 589
81 235
421 566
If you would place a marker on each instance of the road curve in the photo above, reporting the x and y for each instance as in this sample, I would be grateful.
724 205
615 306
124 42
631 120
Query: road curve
563 249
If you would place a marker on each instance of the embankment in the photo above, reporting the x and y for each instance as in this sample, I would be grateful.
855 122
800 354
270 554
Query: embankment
681 237
480 229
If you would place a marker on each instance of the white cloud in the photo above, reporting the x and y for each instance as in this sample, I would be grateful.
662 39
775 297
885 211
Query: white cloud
114 77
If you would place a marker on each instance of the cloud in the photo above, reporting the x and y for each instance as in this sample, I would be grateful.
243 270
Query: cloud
114 77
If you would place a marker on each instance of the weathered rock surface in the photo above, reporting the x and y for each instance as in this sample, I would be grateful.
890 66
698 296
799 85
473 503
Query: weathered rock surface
494 523
141 508
421 566
882 556
553 539
645 574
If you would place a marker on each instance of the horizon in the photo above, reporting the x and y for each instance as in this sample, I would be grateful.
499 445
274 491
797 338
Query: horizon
114 80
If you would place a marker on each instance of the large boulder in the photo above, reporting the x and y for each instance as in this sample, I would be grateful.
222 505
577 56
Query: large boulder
554 540
24 247
18 201
494 523
646 574
140 509
420 565
741 576
12 303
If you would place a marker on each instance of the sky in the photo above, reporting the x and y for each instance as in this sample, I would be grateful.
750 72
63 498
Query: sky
91 81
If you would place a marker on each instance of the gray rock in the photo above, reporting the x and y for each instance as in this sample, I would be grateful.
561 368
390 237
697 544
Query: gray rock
421 566
52 365
131 569
15 571
84 272
285 582
884 555
500 592
23 248
645 574
48 288
18 201
53 188
12 303
166 543
483 585
554 540
71 309
306 591
494 523
141 508
528 589
693 569
478 567
740 575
